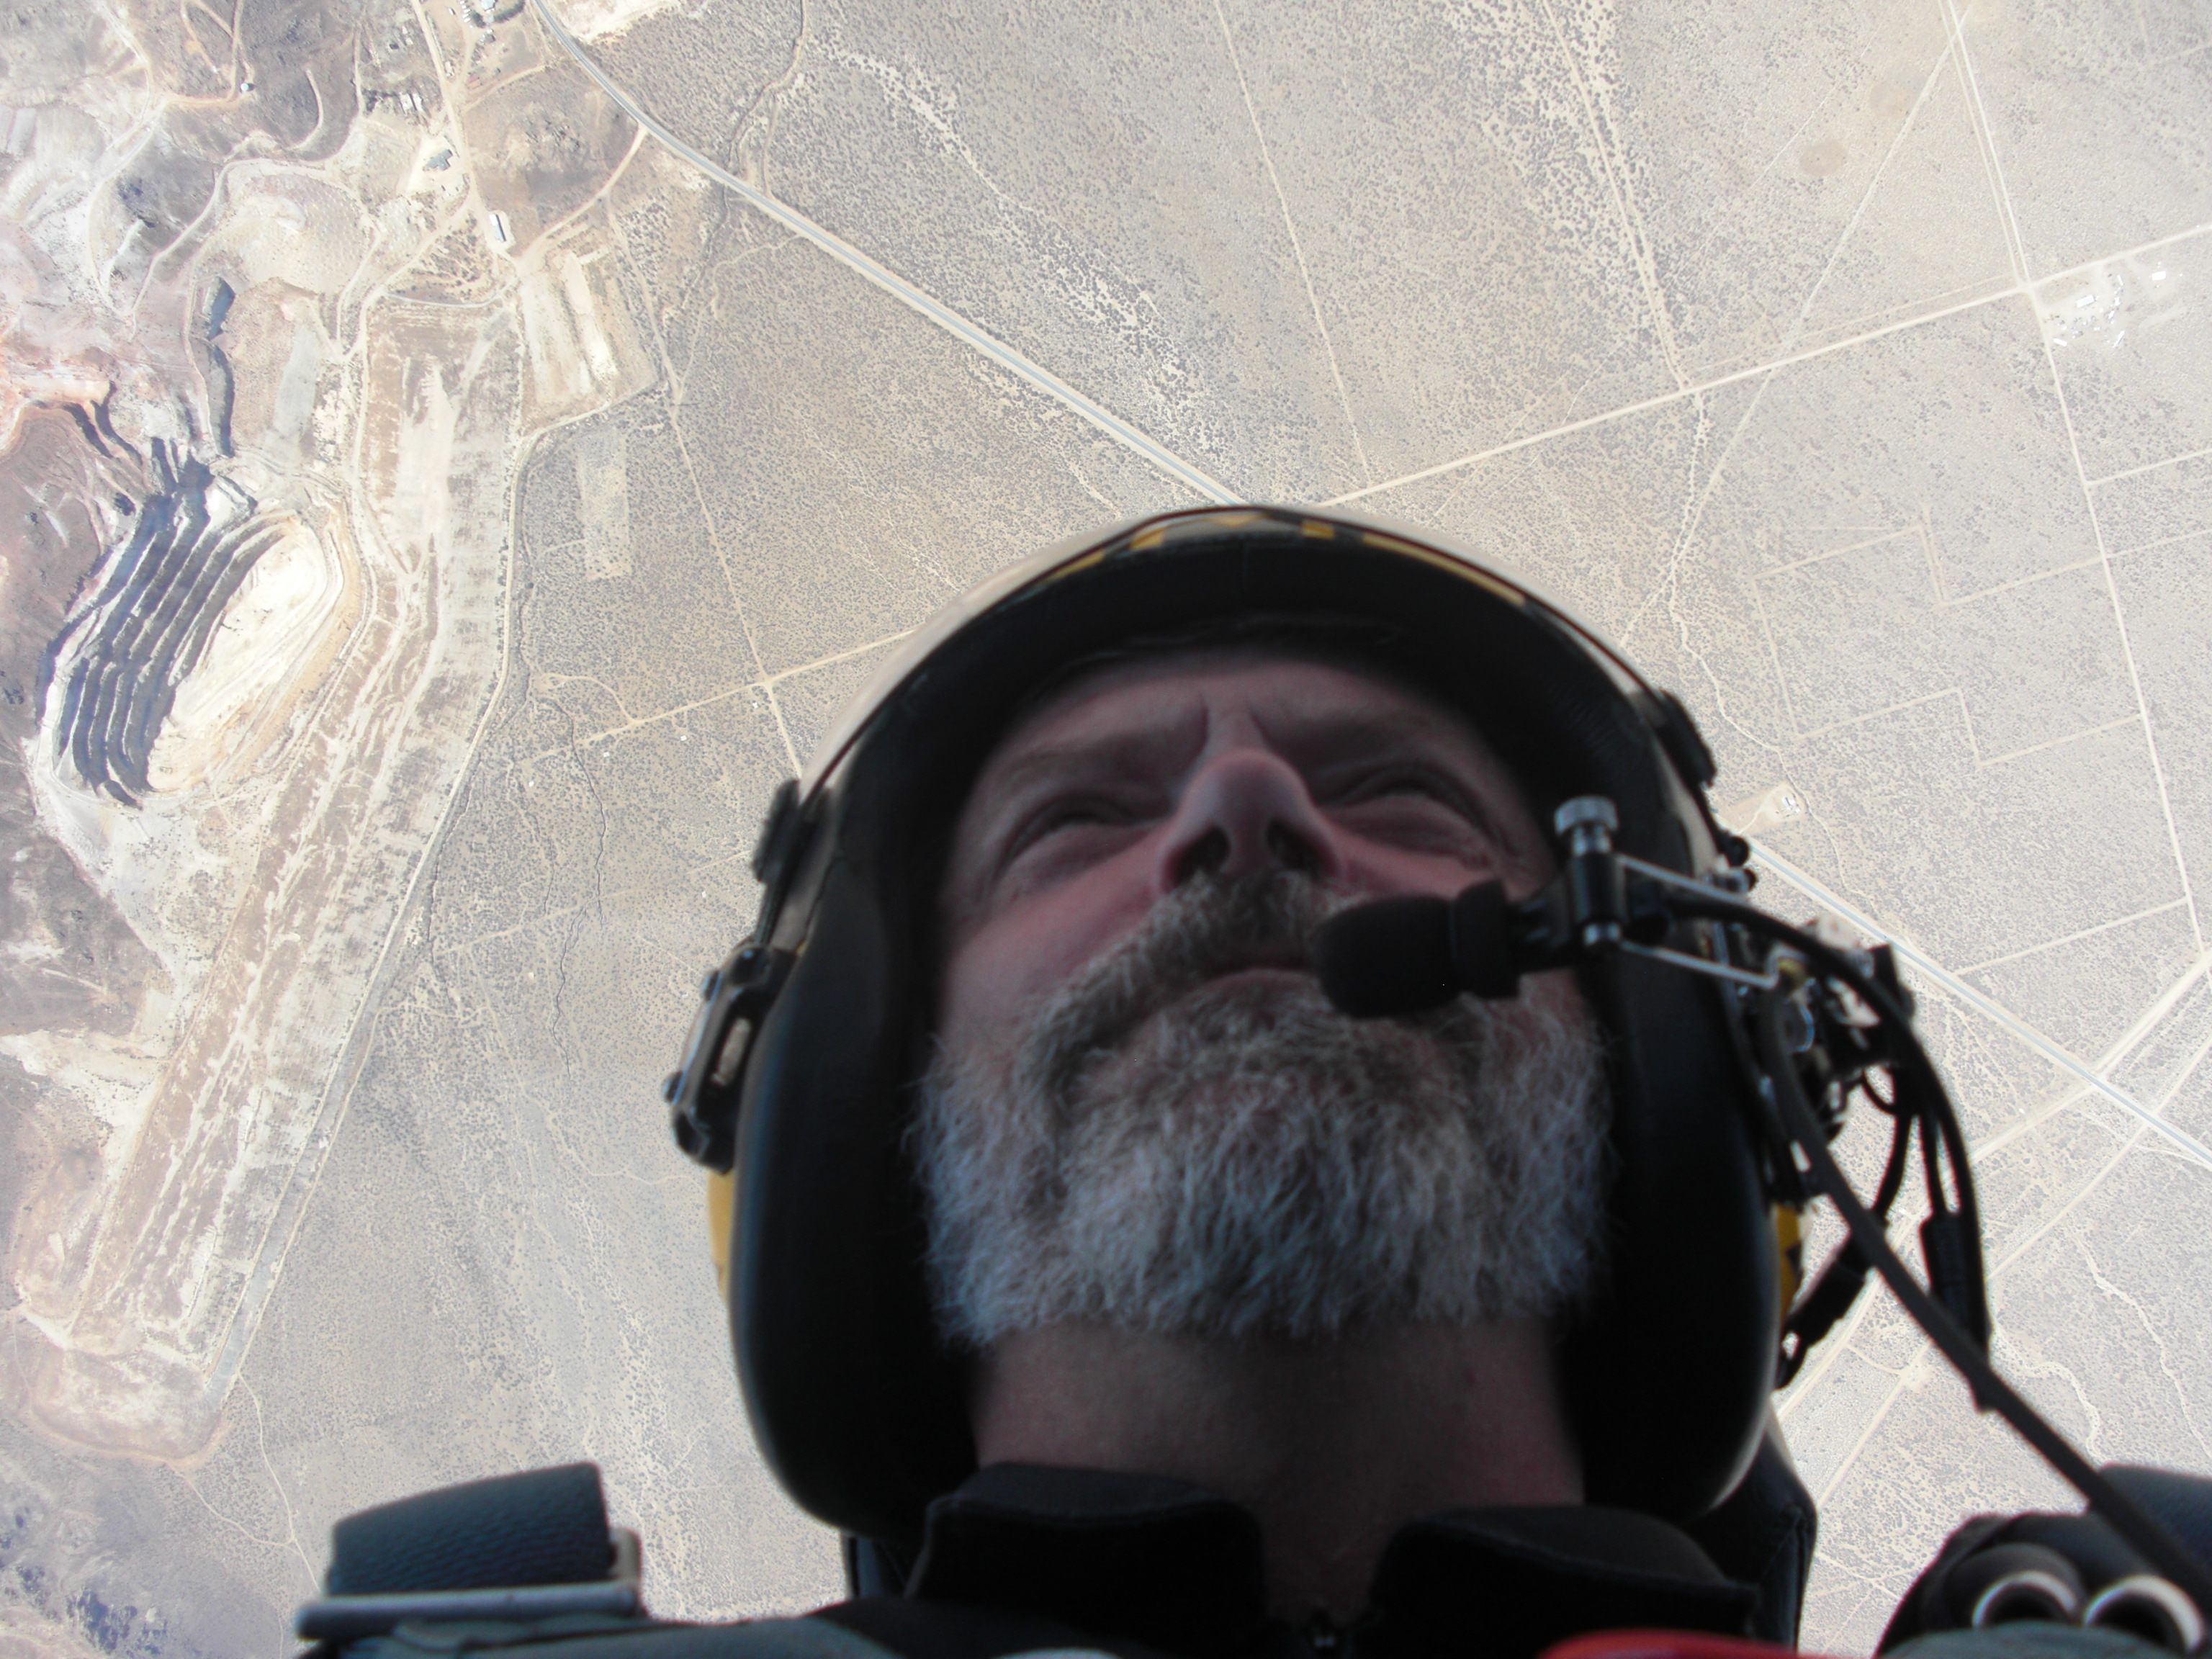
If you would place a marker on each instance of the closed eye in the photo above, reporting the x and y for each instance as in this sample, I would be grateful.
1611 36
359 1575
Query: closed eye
1413 788
1407 780
1057 816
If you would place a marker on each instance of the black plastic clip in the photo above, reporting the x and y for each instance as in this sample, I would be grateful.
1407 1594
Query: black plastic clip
1953 1256
1613 902
1815 1315
1884 962
779 834
703 1092
1679 736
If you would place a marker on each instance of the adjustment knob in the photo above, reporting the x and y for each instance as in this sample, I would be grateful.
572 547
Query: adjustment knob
1586 809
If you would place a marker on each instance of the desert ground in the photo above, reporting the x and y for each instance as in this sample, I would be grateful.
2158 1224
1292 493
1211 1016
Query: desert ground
458 456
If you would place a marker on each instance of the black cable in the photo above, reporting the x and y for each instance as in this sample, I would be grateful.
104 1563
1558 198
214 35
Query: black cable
1989 1390
1887 1104
1832 1292
1892 1172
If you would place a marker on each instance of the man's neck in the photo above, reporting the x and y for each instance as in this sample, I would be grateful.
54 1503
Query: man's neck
1332 1446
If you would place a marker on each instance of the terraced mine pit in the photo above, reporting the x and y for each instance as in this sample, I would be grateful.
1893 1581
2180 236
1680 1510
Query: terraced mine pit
120 662
455 458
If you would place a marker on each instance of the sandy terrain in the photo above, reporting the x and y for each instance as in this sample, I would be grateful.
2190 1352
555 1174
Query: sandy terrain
455 457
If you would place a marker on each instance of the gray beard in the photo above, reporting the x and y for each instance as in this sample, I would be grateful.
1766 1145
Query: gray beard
1169 1155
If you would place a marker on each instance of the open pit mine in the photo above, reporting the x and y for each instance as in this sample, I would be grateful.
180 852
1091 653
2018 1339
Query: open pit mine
120 661
275 338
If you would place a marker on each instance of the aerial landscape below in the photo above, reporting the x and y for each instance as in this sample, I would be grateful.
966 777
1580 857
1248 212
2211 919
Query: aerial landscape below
456 456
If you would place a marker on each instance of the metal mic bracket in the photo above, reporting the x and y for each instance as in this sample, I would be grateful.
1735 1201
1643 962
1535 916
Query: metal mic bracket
1609 903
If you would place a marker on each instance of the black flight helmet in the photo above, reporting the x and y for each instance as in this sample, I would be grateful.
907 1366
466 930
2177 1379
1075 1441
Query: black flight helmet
801 1076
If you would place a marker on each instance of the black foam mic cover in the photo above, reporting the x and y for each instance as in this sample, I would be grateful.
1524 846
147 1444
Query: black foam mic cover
1393 957
1482 942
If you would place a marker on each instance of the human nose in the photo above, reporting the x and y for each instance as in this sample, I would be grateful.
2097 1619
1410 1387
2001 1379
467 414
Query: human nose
1245 811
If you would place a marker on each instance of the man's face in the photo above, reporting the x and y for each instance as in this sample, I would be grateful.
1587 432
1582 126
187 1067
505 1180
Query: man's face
1120 791
1143 1113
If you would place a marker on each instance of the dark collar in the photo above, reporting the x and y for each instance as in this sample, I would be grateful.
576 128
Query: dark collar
1173 1567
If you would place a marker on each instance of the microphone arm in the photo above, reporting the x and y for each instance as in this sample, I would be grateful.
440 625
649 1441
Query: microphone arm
1401 956
1821 1021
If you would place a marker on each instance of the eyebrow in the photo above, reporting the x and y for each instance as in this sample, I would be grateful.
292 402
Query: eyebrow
1363 731
1121 754
1329 739
1476 766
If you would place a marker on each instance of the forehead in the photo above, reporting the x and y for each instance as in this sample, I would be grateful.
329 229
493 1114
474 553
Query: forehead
1292 695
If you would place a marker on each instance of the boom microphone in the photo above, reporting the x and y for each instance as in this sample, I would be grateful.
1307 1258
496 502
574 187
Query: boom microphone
1393 957
1401 956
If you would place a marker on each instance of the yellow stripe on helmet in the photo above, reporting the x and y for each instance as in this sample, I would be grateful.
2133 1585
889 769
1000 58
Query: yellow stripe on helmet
1789 1246
721 1210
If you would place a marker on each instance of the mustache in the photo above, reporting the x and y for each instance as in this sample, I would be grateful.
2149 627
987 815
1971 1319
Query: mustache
1205 929
1157 1154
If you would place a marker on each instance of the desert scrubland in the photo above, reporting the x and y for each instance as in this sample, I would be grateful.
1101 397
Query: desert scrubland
455 458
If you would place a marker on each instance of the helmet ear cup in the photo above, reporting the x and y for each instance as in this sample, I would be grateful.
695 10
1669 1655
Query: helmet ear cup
857 1407
1672 1375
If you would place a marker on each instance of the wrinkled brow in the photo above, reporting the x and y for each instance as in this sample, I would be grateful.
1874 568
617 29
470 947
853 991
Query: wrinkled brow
1144 751
1358 734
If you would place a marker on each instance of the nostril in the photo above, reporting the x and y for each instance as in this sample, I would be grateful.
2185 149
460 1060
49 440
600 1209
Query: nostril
1204 856
1291 850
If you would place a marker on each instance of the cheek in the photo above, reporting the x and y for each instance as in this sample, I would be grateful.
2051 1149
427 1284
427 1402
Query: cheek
1000 968
1382 872
1557 992
971 1001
